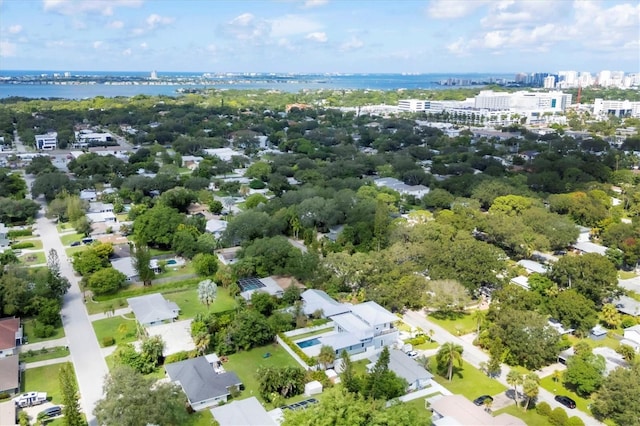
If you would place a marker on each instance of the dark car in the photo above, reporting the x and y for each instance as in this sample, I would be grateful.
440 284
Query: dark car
566 401
75 243
54 411
481 399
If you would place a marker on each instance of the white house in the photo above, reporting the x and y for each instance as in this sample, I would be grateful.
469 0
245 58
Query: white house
47 142
417 191
216 227
153 309
5 243
632 337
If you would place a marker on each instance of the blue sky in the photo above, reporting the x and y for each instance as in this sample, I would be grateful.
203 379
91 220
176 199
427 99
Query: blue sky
320 35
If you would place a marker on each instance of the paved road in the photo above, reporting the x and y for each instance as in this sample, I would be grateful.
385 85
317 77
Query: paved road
88 362
475 356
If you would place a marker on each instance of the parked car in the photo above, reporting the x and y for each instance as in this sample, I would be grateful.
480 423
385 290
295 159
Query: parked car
566 401
87 240
481 399
412 354
54 411
75 243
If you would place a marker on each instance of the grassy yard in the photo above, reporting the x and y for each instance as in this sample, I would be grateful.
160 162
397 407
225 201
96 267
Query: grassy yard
246 363
158 252
176 272
558 388
33 258
468 381
190 305
426 345
110 327
419 404
37 244
71 250
201 418
625 275
43 379
44 354
530 417
64 227
457 324
28 325
67 239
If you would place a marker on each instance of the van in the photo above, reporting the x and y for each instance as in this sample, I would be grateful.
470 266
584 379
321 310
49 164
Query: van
54 411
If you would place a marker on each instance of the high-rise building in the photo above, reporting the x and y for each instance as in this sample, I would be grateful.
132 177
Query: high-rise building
604 78
549 82
154 75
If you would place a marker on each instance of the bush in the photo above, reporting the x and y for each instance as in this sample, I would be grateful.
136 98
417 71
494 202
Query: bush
628 321
304 357
4 395
558 417
418 340
108 341
257 184
22 245
543 409
41 330
20 233
178 356
574 421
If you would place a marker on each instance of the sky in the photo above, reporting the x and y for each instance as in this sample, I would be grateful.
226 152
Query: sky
327 36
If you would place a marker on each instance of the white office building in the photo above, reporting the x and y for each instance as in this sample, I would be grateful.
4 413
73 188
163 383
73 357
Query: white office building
411 105
624 108
488 99
549 82
523 101
47 142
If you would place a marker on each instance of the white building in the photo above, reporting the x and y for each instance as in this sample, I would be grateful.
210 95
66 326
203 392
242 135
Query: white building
617 108
86 137
549 82
552 101
47 142
417 191
411 105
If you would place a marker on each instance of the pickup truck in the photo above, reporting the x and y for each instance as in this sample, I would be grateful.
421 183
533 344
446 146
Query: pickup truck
30 398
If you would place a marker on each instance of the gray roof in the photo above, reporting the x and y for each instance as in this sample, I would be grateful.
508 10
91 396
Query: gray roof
246 412
153 308
373 314
627 305
199 381
125 265
315 300
9 373
532 266
589 247
405 367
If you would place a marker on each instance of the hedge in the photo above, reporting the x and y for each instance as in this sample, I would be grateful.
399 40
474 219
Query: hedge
108 341
20 233
307 359
22 245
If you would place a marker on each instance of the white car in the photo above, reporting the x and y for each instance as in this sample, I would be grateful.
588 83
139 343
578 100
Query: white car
412 354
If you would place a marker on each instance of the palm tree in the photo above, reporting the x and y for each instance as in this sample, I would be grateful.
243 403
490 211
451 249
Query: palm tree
207 292
202 341
610 316
479 316
326 356
530 387
447 355
514 378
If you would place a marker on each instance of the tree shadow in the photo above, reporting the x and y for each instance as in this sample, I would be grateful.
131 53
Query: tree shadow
447 315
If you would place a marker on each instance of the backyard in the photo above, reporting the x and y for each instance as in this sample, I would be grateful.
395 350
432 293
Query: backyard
530 417
468 381
33 258
44 354
29 324
111 327
246 363
457 323
67 239
189 304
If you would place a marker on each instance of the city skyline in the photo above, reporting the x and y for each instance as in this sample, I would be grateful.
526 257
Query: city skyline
436 36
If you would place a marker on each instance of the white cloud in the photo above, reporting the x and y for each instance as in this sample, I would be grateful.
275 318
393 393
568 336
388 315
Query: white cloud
247 27
315 3
144 45
126 52
15 29
52 44
154 20
452 9
81 7
212 48
354 43
97 44
319 37
7 49
116 25
289 25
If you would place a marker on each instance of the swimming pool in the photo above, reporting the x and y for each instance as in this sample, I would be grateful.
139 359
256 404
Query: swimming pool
171 262
308 343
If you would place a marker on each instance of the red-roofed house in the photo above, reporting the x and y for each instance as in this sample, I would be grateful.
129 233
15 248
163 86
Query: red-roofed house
10 336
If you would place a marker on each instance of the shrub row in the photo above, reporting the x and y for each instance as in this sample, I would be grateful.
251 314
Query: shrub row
22 245
108 341
307 359
139 291
180 356
418 340
20 233
558 416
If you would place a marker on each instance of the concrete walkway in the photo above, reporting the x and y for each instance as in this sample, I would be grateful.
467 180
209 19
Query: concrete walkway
44 344
117 313
53 361
475 356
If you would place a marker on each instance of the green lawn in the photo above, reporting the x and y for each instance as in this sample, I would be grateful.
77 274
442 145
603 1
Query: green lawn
625 275
28 325
37 244
468 381
43 379
44 354
176 272
246 363
419 404
33 258
64 227
462 323
67 239
557 388
530 417
158 252
190 305
201 418
426 345
71 250
109 327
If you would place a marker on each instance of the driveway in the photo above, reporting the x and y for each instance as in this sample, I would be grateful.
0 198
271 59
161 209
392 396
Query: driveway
475 356
89 364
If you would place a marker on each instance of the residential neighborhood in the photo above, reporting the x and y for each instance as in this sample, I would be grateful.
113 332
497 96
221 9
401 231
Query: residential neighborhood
292 262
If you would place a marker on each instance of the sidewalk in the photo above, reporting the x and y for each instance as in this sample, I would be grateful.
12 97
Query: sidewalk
117 313
45 344
53 361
